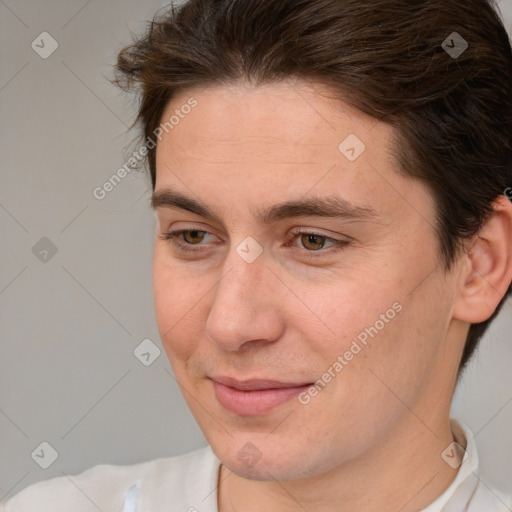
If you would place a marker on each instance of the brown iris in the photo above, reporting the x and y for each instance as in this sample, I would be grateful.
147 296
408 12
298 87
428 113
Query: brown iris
197 235
311 241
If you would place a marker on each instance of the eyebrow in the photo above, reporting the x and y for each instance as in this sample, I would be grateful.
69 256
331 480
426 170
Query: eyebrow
330 206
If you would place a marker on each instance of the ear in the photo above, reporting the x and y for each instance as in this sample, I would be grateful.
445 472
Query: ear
488 266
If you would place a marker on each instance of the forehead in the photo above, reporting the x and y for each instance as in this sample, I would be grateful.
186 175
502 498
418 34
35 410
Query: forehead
284 139
289 119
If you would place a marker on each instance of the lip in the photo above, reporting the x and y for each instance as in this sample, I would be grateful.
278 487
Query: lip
255 396
256 384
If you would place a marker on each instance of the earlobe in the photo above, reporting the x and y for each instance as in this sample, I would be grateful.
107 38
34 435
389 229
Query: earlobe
488 272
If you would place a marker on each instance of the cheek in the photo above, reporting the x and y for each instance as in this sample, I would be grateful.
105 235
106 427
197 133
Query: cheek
395 362
177 303
372 328
353 312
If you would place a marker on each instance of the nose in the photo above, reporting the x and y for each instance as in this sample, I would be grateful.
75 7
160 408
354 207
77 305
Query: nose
245 308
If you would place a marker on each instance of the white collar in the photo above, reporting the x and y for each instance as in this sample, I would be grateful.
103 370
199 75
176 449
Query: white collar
460 492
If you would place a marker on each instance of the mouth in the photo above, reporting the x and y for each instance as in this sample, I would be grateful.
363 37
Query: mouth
255 396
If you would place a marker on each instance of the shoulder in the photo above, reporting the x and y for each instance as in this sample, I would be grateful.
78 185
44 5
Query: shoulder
186 481
105 486
100 487
490 499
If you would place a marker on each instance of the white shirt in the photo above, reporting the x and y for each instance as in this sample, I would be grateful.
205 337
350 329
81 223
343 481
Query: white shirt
188 483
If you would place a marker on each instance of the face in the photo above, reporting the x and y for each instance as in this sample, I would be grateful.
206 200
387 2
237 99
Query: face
300 297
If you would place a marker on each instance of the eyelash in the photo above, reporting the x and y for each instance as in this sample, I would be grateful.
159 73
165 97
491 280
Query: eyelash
171 237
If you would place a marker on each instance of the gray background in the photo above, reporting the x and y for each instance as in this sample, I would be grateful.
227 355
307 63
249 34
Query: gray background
69 325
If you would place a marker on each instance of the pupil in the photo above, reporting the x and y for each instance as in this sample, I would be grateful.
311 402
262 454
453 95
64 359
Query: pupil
194 234
314 240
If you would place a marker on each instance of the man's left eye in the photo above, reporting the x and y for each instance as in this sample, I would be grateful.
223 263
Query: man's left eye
313 241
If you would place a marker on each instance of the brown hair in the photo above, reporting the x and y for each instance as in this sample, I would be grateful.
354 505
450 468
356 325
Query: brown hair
391 59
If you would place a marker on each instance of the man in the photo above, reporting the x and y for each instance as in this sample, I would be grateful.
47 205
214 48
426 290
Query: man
334 234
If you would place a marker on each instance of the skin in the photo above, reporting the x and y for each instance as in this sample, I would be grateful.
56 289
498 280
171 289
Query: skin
382 423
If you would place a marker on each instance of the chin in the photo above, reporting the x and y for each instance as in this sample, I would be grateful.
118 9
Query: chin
270 459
